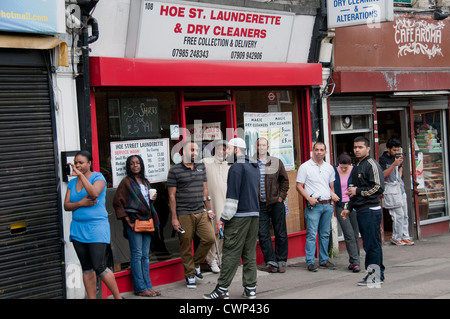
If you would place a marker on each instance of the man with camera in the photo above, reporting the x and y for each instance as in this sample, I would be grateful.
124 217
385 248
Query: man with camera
391 163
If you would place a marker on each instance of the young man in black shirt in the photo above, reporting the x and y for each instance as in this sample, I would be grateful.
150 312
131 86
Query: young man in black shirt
367 177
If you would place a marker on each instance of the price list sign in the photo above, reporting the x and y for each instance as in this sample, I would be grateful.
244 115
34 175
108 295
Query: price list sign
154 153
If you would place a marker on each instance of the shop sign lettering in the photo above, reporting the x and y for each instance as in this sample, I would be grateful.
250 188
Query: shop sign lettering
343 13
418 37
183 30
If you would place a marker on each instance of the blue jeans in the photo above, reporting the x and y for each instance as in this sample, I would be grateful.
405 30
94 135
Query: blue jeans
369 226
140 266
318 219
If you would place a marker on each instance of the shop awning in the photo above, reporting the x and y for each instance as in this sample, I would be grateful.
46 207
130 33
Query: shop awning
107 71
38 43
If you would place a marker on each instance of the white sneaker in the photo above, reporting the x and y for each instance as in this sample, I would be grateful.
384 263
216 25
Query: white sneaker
214 267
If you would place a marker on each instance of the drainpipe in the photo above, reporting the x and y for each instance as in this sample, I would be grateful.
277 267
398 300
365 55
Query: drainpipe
82 80
319 33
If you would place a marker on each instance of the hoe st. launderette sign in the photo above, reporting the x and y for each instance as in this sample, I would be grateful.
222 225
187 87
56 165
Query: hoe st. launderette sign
201 31
343 13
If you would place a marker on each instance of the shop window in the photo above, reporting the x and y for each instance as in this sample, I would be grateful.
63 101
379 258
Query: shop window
431 165
142 116
274 114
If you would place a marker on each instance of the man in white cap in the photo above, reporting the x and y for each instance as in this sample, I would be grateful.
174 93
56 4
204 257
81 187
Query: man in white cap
240 221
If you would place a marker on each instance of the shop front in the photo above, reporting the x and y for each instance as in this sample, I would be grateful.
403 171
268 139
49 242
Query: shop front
397 85
32 253
149 101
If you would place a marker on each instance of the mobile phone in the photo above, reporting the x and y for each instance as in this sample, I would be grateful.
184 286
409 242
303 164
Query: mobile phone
67 169
220 233
181 230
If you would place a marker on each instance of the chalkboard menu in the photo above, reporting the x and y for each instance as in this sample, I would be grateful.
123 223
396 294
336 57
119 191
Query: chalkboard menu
139 118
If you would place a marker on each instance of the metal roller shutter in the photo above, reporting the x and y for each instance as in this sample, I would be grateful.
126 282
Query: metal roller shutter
31 247
351 105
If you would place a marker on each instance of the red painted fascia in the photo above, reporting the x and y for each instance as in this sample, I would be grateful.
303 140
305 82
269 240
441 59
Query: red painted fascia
390 81
107 71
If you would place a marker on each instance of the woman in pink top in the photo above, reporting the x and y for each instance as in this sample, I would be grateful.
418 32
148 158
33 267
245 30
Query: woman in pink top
350 224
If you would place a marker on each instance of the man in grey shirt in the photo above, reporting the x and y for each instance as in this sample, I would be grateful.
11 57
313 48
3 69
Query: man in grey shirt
188 198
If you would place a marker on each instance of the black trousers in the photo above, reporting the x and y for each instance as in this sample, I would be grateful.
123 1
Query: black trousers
92 257
275 213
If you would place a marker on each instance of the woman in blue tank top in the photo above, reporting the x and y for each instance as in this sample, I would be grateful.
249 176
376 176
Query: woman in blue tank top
89 231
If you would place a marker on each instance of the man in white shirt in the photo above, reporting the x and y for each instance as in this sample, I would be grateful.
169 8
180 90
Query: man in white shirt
216 173
315 182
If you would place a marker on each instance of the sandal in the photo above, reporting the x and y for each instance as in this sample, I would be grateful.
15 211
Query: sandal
149 293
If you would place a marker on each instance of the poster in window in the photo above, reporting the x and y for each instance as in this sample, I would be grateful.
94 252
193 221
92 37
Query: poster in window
277 129
139 118
154 153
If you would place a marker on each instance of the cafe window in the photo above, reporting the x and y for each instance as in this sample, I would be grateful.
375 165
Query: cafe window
431 164
273 114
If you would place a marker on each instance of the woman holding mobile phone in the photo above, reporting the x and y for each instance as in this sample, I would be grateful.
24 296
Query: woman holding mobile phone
349 225
133 200
89 230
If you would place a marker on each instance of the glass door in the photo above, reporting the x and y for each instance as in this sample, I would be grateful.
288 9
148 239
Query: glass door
429 147
206 117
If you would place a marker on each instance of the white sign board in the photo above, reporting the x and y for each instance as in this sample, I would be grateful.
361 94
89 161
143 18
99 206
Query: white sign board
205 131
154 153
200 31
277 129
342 13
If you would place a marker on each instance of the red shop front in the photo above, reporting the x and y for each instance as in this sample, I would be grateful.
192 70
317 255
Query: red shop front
174 94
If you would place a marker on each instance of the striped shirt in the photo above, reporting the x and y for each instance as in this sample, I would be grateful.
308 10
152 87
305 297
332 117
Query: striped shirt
262 173
189 187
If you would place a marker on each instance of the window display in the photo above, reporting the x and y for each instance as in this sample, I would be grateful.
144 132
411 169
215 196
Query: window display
430 165
274 114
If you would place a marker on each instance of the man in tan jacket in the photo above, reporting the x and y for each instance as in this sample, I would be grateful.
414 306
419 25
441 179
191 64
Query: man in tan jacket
216 173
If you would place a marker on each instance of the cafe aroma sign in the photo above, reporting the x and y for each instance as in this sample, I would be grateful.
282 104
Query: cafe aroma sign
418 37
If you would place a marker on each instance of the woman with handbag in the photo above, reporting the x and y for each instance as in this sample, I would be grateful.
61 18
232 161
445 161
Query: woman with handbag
133 204
89 230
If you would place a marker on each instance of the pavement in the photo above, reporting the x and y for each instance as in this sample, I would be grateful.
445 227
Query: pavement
421 271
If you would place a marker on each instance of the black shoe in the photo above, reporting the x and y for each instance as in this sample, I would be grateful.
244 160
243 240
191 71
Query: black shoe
371 281
268 268
198 274
249 292
328 265
218 293
312 267
190 282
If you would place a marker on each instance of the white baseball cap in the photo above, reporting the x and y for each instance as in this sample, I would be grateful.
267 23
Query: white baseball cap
237 142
